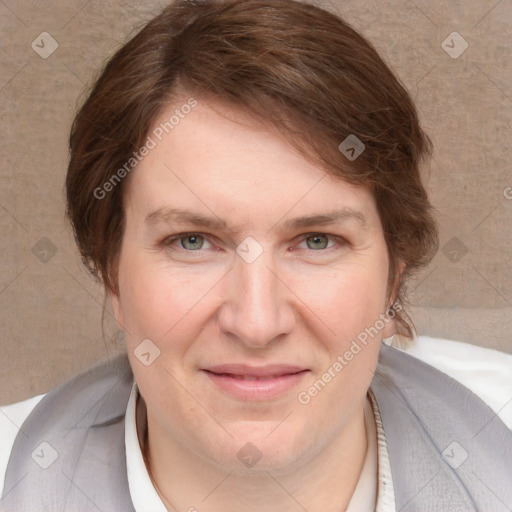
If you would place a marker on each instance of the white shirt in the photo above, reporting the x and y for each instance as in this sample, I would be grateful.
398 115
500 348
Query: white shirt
486 372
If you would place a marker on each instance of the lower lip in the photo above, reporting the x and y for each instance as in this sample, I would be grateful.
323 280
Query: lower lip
257 390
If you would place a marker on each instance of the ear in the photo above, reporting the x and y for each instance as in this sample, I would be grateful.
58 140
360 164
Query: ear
390 326
115 301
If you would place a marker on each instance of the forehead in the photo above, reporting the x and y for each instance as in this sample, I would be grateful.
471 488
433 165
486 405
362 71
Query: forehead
220 160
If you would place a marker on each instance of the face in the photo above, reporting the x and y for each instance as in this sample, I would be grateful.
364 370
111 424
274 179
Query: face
252 273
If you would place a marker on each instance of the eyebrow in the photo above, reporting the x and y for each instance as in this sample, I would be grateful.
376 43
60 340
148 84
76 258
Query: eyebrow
178 215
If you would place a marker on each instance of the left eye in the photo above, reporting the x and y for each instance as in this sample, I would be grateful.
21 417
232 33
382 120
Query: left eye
318 241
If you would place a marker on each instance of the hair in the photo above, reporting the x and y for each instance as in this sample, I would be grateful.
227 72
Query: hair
291 65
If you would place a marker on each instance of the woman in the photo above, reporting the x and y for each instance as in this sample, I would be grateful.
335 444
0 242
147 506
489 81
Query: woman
244 179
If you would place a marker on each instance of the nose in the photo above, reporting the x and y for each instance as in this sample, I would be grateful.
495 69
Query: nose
258 306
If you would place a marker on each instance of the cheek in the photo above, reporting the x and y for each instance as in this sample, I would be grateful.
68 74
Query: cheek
347 301
155 299
350 304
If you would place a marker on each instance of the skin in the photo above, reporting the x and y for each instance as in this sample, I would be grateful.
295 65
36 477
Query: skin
302 302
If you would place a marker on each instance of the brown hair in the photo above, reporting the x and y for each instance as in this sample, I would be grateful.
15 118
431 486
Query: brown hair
294 65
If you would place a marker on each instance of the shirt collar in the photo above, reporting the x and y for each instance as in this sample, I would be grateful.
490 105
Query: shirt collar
142 491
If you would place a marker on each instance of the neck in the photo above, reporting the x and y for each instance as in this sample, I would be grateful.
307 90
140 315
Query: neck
327 481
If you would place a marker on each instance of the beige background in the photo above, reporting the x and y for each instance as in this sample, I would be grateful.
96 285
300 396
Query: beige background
51 309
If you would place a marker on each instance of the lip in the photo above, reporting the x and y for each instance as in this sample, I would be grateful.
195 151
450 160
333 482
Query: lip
255 383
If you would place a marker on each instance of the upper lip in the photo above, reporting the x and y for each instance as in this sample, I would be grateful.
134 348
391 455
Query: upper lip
271 370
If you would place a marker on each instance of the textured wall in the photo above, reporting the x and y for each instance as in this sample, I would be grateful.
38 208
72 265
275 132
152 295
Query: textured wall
51 309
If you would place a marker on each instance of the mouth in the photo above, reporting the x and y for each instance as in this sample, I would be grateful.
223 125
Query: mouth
253 383
251 377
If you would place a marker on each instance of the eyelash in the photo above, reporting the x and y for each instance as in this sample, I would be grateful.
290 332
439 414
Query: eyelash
167 242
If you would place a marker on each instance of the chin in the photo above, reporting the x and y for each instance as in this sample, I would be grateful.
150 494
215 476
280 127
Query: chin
258 448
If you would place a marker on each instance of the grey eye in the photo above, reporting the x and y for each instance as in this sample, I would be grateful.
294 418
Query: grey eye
318 241
192 242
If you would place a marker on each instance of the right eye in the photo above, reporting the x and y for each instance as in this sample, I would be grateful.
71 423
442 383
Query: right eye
187 241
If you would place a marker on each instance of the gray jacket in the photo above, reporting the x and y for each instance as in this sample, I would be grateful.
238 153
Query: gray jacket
448 450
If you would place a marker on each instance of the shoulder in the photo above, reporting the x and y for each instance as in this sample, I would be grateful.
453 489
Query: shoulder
11 419
484 371
92 397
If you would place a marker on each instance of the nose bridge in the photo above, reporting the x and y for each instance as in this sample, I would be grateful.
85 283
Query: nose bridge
258 284
256 309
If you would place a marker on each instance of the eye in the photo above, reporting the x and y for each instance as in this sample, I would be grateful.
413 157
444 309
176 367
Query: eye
320 241
187 241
